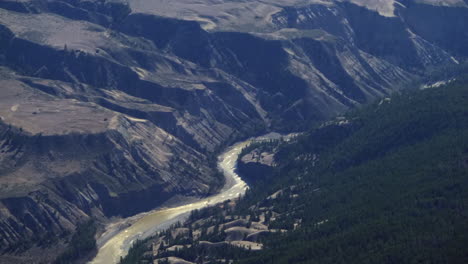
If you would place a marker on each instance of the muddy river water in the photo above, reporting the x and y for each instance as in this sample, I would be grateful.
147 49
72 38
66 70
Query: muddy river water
117 240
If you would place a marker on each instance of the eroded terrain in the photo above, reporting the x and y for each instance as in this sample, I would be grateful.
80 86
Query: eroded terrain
110 109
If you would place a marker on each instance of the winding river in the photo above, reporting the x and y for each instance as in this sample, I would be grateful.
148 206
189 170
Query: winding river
116 241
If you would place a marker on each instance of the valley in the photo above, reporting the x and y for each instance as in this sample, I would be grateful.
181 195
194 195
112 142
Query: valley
146 225
380 184
110 108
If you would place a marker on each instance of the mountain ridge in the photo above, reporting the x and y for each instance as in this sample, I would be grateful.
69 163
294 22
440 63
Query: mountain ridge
163 95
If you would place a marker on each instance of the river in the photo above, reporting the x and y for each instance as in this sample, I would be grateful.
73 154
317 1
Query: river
116 241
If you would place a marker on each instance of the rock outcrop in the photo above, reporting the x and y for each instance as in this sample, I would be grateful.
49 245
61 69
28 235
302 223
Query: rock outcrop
256 166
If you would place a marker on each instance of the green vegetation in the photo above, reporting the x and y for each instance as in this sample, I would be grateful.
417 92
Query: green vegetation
136 253
387 183
82 243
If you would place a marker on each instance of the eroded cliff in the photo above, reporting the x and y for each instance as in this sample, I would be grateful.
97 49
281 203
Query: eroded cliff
110 109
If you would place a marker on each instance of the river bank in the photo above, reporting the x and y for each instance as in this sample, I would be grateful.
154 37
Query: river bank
119 236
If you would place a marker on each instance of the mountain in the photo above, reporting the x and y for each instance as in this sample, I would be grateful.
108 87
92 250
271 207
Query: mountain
111 108
381 184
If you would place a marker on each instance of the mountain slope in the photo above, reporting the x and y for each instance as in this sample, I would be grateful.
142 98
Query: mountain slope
385 185
105 103
382 184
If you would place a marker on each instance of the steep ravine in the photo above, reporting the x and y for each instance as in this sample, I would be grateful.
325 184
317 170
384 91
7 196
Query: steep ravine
74 177
109 112
117 244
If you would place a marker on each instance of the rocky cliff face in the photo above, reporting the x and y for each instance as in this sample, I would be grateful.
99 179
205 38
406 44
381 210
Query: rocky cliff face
110 108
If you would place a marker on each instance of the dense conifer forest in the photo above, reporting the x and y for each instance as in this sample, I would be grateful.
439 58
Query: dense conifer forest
386 183
81 244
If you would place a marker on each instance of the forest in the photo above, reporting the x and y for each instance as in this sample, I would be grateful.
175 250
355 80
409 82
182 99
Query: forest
384 183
